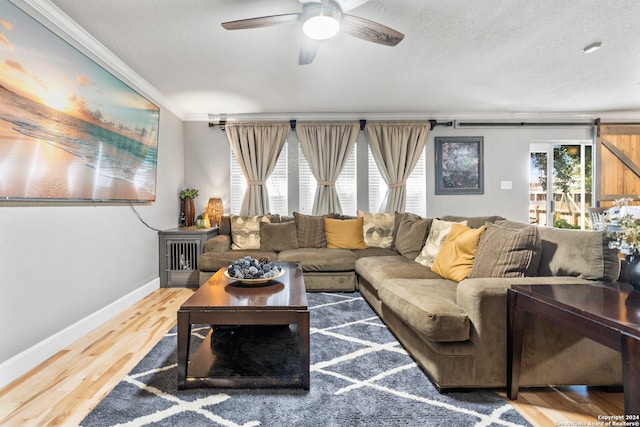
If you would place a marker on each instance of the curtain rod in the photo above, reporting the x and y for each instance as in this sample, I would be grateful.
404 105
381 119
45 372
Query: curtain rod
523 124
433 123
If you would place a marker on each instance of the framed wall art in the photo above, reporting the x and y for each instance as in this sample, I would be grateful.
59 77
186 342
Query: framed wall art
459 165
69 129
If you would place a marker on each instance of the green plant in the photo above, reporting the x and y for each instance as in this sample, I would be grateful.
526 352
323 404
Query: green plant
563 223
188 193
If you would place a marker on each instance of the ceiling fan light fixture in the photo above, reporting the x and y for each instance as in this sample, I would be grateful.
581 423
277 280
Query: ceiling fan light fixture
321 23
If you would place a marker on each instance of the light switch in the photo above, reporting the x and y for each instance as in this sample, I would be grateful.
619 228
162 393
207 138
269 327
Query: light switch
506 185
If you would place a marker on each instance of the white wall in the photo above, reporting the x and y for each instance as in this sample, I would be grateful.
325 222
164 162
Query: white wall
506 158
206 160
60 263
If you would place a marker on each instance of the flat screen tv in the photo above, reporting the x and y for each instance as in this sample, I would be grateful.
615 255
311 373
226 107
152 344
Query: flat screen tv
69 129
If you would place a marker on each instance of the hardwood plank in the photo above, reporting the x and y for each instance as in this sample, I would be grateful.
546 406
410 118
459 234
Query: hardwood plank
548 406
65 388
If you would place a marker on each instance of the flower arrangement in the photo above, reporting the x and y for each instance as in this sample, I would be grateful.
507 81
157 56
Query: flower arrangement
623 228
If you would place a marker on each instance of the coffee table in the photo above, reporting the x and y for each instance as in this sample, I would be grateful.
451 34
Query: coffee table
608 314
230 307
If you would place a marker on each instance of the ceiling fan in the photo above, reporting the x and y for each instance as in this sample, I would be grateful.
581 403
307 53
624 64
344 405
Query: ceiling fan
321 20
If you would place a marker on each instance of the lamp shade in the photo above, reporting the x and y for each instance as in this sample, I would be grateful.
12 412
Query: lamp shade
214 211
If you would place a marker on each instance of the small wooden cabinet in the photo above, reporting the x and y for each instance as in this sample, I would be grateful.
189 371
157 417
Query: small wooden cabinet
179 252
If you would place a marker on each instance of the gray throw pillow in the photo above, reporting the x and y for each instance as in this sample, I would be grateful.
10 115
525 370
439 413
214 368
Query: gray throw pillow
412 232
473 221
507 249
310 230
278 237
225 225
584 254
397 220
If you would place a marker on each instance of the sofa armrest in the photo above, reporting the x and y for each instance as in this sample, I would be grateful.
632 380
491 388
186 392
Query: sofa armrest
219 243
485 302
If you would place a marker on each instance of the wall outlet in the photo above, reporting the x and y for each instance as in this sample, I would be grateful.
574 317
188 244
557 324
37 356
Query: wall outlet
506 185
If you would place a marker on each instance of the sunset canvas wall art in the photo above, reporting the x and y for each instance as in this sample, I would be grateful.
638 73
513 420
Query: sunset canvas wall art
69 129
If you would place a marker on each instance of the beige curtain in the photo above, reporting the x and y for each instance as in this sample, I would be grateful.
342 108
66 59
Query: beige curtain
396 148
256 146
326 146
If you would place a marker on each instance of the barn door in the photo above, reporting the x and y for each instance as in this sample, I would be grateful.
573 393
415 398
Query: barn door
618 147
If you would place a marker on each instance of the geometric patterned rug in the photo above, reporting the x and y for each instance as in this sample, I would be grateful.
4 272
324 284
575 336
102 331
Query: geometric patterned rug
360 376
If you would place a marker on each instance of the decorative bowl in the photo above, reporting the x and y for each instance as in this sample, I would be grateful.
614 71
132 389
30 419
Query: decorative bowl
259 281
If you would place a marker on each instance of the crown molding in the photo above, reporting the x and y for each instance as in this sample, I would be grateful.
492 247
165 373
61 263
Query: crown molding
62 23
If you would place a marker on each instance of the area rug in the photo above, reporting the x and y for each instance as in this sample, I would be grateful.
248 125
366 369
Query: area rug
360 376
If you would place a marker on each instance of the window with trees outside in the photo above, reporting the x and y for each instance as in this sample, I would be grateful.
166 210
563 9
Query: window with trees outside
560 184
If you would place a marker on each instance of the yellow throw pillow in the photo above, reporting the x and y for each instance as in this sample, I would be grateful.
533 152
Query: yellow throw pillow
458 252
344 233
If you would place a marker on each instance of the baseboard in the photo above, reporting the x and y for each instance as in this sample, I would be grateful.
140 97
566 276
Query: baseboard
25 361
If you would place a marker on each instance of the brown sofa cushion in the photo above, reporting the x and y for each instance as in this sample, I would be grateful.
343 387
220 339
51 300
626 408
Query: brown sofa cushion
278 237
428 306
225 225
412 232
584 254
310 229
397 219
473 221
321 259
507 249
376 270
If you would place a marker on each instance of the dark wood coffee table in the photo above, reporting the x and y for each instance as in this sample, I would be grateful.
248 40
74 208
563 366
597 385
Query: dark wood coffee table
608 314
230 307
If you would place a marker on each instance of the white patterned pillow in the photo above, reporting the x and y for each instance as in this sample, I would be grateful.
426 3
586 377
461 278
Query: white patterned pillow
437 234
378 229
245 231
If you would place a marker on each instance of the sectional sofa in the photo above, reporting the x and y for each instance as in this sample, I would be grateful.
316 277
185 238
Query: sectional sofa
440 286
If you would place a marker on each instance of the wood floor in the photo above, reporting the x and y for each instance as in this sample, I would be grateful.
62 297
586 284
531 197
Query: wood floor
65 388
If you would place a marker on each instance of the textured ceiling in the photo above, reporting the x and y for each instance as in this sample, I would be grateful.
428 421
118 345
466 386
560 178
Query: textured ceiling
466 58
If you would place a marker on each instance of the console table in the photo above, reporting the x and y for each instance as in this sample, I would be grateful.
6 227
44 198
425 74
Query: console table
608 314
179 252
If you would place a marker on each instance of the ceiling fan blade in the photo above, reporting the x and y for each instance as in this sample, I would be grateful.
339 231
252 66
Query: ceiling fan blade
262 21
347 5
308 51
370 31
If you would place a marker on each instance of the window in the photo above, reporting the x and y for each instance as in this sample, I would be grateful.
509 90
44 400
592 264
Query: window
560 183
276 185
346 185
415 190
